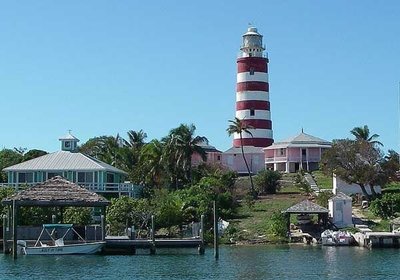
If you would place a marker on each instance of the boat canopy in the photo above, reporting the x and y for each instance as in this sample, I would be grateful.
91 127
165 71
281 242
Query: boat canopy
51 226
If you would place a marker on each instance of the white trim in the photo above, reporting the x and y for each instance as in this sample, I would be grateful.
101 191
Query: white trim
257 77
256 133
252 95
259 115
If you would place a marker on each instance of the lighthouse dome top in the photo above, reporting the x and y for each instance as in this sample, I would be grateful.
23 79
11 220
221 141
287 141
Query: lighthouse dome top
252 31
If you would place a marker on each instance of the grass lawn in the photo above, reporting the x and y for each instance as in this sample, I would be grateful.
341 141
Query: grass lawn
323 181
253 223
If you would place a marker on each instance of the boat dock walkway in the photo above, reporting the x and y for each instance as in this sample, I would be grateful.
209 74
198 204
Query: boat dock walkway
118 244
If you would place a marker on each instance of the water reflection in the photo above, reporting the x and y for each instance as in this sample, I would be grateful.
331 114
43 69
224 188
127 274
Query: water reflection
251 262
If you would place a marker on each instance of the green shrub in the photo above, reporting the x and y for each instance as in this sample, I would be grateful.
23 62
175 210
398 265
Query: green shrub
77 215
302 184
267 181
386 206
278 225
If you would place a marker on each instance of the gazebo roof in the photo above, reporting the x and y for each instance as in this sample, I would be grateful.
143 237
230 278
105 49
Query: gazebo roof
57 191
306 207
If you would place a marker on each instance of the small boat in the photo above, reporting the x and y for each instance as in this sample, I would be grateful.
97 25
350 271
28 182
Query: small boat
57 246
336 238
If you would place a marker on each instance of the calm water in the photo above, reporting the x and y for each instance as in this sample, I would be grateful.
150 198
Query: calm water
261 262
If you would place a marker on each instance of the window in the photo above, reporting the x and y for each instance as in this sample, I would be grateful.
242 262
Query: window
110 178
282 152
87 177
67 144
252 112
251 71
218 157
25 177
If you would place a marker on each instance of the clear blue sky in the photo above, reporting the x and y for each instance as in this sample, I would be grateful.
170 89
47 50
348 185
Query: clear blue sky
105 67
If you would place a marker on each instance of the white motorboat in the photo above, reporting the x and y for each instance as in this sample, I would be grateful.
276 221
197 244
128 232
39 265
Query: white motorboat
57 246
336 238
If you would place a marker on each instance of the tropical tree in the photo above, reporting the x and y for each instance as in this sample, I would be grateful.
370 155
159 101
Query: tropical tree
391 165
150 169
239 126
31 154
356 162
136 139
363 133
8 157
180 144
105 148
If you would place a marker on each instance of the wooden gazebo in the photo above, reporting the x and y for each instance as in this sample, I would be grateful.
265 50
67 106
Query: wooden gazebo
55 192
307 207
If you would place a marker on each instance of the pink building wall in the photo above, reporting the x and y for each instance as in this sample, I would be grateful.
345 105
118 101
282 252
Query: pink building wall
212 157
235 162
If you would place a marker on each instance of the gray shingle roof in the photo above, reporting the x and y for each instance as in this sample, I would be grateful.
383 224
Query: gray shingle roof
301 140
306 207
64 161
57 191
340 196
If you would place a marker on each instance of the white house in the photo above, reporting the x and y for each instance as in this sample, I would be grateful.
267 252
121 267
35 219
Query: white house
340 210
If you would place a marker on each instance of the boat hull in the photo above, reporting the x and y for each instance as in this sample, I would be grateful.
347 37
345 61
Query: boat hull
69 249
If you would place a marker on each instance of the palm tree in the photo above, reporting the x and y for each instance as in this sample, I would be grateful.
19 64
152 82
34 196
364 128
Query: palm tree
362 133
135 139
150 162
180 145
239 126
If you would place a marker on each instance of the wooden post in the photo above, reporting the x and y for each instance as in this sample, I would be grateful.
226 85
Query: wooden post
287 215
103 223
201 247
216 249
103 229
15 224
153 240
5 234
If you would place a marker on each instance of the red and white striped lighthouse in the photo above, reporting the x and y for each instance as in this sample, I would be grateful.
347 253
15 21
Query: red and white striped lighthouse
252 92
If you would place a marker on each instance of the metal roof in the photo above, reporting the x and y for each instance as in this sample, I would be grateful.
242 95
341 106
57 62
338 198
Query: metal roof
306 207
207 147
247 150
64 161
69 136
301 140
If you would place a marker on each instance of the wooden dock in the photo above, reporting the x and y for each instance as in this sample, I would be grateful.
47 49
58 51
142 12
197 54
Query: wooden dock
378 239
123 245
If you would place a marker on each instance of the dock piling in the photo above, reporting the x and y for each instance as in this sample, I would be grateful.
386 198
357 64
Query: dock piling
216 249
15 226
153 240
5 234
201 246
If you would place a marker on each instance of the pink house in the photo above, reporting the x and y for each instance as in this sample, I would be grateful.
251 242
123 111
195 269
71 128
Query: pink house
233 159
299 152
213 155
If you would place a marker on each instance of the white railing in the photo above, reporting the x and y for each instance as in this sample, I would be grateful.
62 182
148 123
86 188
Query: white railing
293 159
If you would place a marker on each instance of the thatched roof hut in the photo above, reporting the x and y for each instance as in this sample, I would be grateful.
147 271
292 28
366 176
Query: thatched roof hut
57 192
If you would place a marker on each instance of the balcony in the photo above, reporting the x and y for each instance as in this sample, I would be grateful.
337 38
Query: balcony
293 159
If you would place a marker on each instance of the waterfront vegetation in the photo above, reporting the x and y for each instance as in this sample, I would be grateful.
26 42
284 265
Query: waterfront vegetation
178 192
